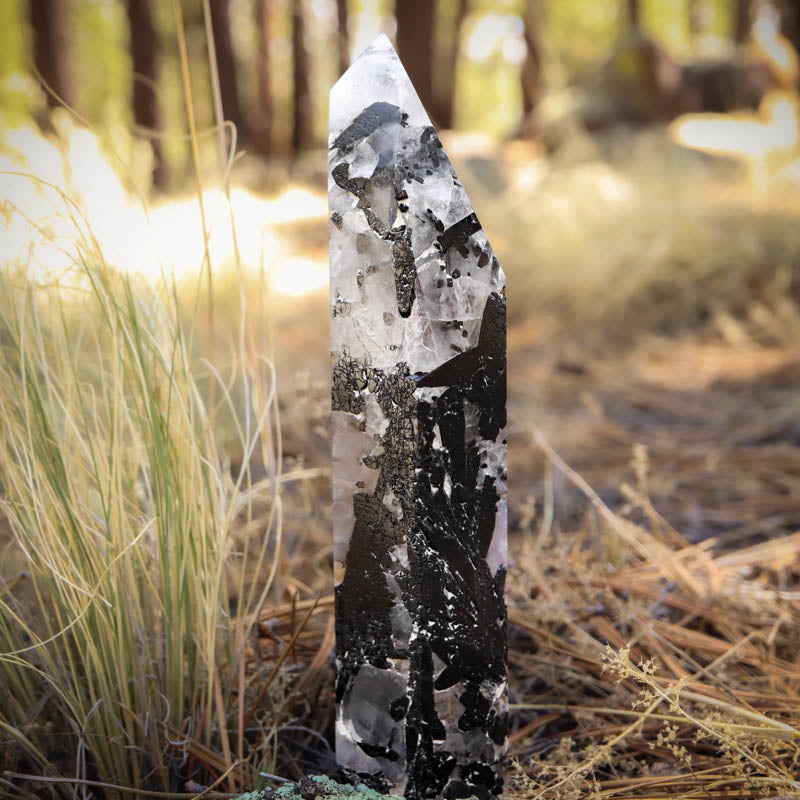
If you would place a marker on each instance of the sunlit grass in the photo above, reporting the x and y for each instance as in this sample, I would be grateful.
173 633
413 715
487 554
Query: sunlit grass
135 535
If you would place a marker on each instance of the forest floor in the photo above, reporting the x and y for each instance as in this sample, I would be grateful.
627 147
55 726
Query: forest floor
654 463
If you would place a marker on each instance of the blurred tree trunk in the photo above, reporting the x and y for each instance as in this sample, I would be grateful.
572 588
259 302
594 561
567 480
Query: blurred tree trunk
262 124
302 120
531 71
143 44
226 67
415 23
343 35
743 20
790 21
51 49
634 14
445 83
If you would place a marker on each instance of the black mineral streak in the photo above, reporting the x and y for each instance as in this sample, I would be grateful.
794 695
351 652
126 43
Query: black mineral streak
480 372
405 272
403 262
457 235
367 122
430 468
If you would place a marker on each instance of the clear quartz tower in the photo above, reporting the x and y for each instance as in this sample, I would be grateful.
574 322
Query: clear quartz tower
418 348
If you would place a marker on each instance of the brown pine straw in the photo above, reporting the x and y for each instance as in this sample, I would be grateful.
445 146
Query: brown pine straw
256 704
208 793
654 580
674 675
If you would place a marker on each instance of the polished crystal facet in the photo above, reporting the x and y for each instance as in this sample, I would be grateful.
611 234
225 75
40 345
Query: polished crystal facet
418 346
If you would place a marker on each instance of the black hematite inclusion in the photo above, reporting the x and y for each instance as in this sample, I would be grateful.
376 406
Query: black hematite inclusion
435 497
456 605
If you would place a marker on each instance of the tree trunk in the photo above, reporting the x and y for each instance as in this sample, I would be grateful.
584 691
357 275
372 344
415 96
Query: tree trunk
445 83
531 72
790 21
415 22
634 14
343 35
50 25
262 123
143 45
226 67
302 120
743 20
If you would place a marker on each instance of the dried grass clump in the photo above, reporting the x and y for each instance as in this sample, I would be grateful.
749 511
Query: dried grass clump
646 666
609 238
126 598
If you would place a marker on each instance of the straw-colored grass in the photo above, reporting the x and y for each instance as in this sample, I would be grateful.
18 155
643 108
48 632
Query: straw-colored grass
139 543
124 642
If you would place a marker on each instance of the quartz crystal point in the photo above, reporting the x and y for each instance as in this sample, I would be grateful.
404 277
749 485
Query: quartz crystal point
418 341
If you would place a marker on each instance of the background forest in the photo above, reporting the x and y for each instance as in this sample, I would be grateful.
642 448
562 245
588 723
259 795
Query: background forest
479 65
166 625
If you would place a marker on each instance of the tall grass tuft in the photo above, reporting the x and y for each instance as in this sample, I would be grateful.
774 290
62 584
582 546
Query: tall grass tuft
125 640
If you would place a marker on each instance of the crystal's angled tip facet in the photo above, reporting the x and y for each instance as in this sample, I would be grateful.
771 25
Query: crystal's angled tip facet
380 44
377 75
419 452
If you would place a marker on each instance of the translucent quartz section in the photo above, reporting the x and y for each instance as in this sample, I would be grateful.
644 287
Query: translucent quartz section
418 347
